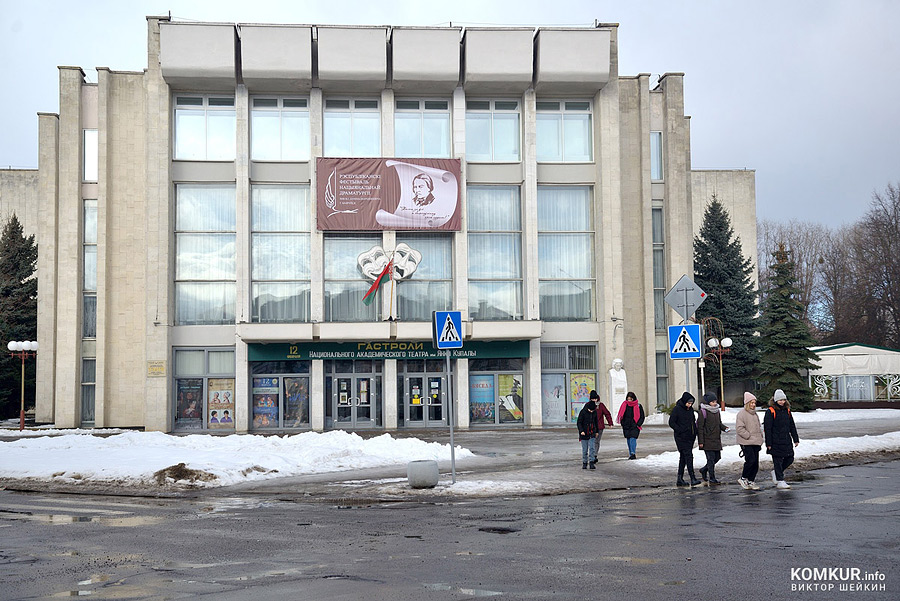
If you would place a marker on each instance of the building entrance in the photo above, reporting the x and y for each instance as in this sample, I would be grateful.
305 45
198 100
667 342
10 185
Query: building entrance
425 400
353 400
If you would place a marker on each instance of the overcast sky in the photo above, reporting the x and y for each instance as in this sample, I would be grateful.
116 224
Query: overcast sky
804 92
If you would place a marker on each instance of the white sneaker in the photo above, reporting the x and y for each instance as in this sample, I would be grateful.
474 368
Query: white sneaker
753 485
782 484
744 484
774 477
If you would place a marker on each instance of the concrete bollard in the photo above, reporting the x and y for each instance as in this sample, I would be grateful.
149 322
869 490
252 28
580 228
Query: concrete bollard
422 474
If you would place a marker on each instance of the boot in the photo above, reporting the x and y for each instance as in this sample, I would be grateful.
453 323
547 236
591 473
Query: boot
632 456
712 476
703 472
694 481
593 465
680 482
584 466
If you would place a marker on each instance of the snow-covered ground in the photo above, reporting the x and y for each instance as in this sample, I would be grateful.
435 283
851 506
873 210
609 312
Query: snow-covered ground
134 458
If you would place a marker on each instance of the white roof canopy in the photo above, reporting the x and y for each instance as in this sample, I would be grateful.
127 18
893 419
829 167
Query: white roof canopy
855 360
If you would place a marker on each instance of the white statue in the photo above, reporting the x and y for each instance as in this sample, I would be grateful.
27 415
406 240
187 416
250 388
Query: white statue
618 386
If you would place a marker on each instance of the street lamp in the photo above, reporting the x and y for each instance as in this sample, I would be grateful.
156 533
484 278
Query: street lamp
719 345
719 348
23 350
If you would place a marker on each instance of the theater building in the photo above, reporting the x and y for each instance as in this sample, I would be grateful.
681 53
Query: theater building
209 228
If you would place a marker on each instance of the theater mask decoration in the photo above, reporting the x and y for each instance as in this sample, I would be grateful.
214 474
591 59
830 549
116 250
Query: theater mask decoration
373 261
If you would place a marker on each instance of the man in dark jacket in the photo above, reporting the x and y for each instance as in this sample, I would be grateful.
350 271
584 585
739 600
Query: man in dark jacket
587 431
780 430
684 425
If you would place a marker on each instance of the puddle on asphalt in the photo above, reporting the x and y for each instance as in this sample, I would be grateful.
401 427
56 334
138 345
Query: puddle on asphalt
236 503
472 592
63 518
72 594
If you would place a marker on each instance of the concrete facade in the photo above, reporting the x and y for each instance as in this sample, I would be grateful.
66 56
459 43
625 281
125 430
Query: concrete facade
140 344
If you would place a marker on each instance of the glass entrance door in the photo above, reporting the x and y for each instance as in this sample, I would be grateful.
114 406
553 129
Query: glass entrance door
353 401
425 401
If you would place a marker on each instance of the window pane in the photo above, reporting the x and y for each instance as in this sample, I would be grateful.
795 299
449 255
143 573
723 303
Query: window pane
221 362
495 300
566 300
506 137
553 357
564 209
343 302
221 135
417 299
582 357
342 253
549 137
565 256
280 208
281 302
205 257
478 137
190 134
656 155
659 271
91 155
265 144
437 135
337 135
493 208
366 134
204 208
89 316
437 256
90 221
280 257
494 256
204 303
90 268
189 363
658 231
659 309
408 134
295 136
578 137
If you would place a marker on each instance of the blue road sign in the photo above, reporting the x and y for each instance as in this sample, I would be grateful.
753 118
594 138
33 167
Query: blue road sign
684 341
447 330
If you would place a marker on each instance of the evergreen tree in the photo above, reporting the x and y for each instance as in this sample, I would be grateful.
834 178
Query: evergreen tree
18 313
721 270
785 338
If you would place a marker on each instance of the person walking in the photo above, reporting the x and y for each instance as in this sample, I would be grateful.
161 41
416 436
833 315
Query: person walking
587 431
631 418
780 433
682 422
709 435
602 414
750 438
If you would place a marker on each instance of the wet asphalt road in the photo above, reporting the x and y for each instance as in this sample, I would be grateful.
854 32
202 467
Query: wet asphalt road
643 543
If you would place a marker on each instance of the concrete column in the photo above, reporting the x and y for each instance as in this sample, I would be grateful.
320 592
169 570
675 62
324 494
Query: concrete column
316 239
104 243
389 394
48 169
534 415
460 246
317 398
461 394
531 289
242 210
241 387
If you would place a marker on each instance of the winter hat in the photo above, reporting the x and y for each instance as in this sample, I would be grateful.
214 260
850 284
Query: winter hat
686 398
779 395
748 397
709 398
594 395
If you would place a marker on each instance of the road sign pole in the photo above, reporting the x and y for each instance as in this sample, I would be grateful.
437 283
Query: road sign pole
450 409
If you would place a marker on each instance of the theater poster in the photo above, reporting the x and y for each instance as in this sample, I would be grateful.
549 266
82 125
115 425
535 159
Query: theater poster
387 194
580 387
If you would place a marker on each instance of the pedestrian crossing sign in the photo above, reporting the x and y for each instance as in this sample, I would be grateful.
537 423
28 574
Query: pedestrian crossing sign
684 341
447 330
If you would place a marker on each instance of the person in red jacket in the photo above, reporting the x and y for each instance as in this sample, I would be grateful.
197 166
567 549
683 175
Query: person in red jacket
602 413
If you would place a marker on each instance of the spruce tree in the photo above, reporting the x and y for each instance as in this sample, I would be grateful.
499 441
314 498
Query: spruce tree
721 270
18 313
785 338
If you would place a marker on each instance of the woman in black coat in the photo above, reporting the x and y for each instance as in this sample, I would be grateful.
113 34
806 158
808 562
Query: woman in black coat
781 436
684 425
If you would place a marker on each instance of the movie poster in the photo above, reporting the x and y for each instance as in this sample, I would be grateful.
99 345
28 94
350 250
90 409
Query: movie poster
296 402
510 406
265 403
481 399
580 387
553 398
220 403
189 404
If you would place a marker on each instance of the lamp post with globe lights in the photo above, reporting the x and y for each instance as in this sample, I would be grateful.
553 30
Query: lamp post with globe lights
718 345
23 350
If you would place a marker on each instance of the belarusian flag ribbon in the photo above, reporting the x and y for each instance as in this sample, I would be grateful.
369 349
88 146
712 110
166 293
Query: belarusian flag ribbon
386 274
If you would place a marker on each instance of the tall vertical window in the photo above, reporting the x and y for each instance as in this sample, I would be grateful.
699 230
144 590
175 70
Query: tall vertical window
422 129
280 251
89 278
565 252
659 270
564 131
345 285
205 128
279 129
352 128
430 287
495 253
88 390
204 389
662 380
492 131
656 156
205 264
91 151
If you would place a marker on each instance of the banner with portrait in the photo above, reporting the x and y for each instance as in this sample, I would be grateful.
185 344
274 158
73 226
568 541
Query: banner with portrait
264 393
354 194
220 403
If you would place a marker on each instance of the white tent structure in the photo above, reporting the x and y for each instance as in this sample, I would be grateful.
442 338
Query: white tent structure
856 373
